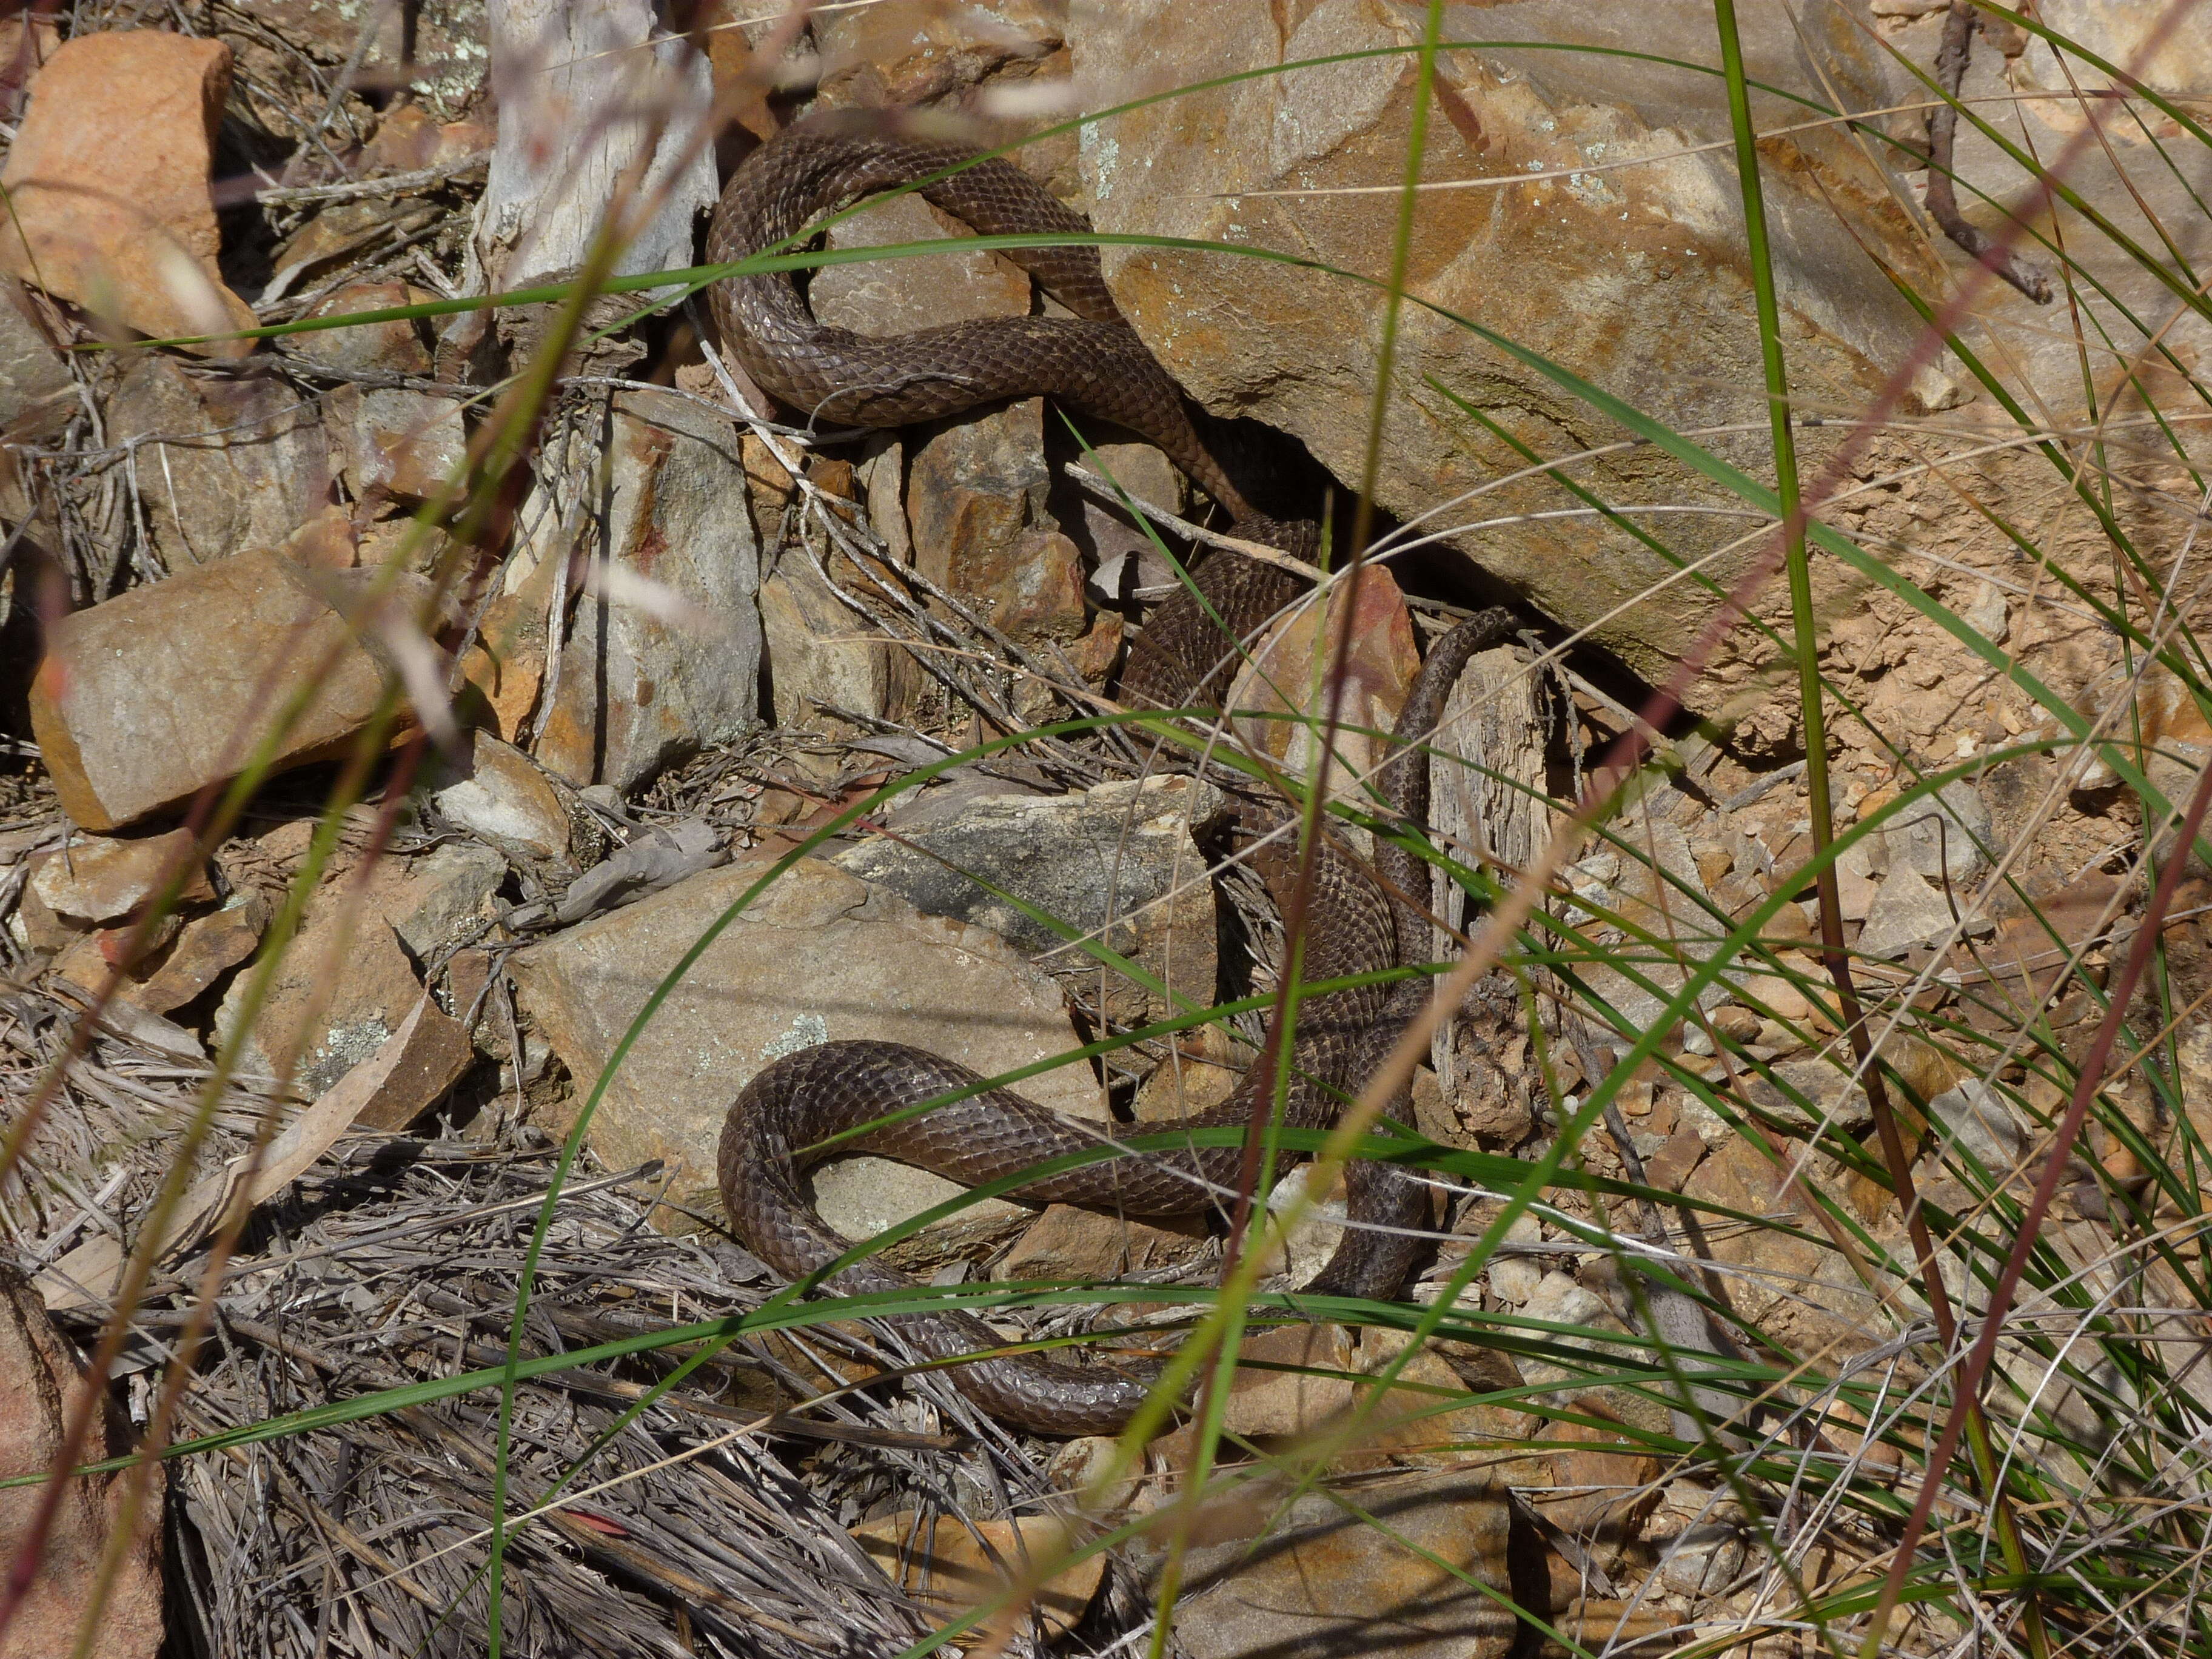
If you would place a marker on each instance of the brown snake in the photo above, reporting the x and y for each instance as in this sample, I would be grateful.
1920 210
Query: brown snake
1094 363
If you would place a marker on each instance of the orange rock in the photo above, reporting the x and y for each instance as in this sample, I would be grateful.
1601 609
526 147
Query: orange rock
1067 1243
1285 679
38 1378
939 1559
108 182
142 701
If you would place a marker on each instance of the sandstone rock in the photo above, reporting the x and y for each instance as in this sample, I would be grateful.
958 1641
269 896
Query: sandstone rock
1836 1101
1905 911
37 1384
1290 1380
94 879
1601 1490
941 1560
816 649
976 489
1081 1246
389 442
207 947
433 898
1424 1417
36 391
1980 1124
341 992
1542 262
1323 1581
930 49
884 297
1943 837
819 954
1107 862
108 184
1202 1070
648 675
1279 695
1797 1288
146 699
504 798
266 470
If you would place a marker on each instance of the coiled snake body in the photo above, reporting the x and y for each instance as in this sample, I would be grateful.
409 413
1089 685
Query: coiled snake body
1094 363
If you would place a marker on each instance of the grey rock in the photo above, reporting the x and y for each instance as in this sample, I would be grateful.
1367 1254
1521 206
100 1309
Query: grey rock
1980 1124
431 900
35 388
821 954
1943 835
663 659
1702 1560
1836 1101
1906 911
1327 1583
503 796
1100 862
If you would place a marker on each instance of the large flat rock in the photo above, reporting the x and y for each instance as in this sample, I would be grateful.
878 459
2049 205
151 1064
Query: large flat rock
1616 250
821 955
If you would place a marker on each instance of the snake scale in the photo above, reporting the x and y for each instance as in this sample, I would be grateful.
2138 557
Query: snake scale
1093 363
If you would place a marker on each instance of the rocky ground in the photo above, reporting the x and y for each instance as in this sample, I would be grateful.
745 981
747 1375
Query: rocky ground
696 635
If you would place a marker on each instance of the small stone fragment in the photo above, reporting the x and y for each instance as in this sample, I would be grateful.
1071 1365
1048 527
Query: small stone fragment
1116 862
1280 697
437 1052
939 1560
1080 1246
339 995
107 185
207 948
1981 1124
1905 911
818 654
505 799
1837 1102
1674 1163
389 442
976 489
1323 1581
1943 837
432 899
145 700
94 879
